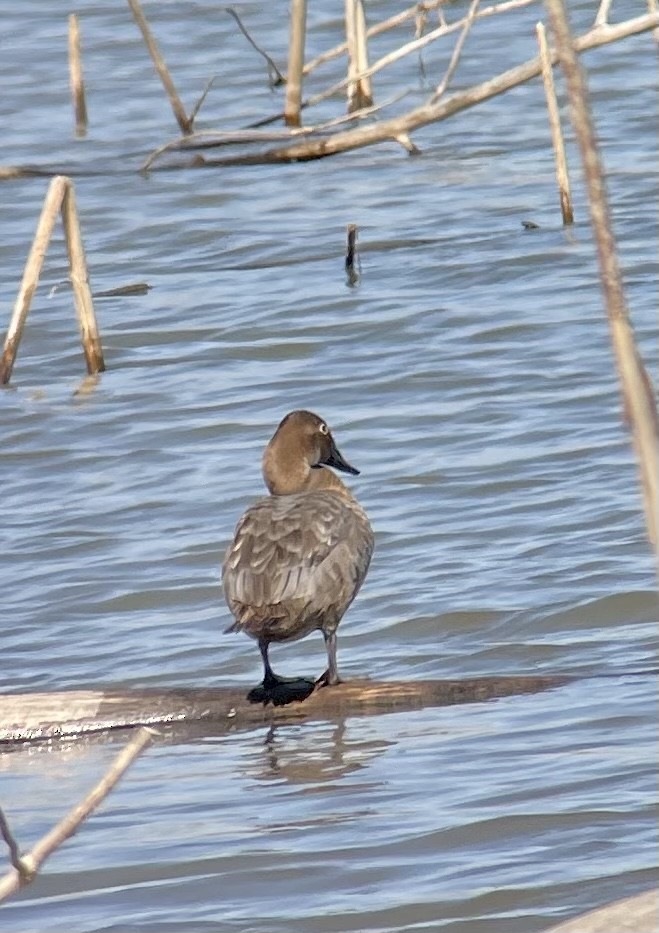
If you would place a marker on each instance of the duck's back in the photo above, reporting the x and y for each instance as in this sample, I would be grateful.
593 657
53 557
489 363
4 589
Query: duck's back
296 563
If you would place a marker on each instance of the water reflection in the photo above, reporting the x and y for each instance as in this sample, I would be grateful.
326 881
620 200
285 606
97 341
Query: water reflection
311 756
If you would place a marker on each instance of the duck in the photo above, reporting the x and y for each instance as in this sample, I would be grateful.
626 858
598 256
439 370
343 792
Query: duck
299 555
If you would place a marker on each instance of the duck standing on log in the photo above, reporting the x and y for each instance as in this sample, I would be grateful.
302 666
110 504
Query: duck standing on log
299 555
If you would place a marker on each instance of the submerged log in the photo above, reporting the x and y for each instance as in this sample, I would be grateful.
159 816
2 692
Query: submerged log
33 716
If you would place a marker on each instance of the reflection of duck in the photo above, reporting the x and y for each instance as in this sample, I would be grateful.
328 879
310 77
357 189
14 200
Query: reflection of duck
320 753
300 555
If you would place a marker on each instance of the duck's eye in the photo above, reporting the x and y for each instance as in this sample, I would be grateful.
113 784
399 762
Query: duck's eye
323 428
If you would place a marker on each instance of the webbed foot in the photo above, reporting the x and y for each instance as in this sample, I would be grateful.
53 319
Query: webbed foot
281 690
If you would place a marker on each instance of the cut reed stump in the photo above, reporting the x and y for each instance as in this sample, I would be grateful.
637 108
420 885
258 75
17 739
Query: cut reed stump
32 716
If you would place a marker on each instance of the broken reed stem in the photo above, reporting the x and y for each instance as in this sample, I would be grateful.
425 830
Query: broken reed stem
202 97
12 845
298 28
25 870
419 42
351 254
385 130
91 341
409 48
602 18
33 265
75 77
562 176
457 51
653 7
278 78
359 90
216 138
365 85
182 119
60 197
636 387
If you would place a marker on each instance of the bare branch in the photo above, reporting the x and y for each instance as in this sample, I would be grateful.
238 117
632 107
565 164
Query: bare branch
432 113
12 845
411 47
411 14
208 139
28 865
159 62
457 51
272 67
602 18
636 388
202 98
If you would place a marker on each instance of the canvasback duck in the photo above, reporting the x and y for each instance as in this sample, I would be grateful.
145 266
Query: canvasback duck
299 555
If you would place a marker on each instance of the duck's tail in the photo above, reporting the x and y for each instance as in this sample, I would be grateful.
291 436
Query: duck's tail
234 627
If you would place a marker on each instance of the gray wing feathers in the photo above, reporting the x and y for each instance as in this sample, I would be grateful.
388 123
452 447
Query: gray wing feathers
291 549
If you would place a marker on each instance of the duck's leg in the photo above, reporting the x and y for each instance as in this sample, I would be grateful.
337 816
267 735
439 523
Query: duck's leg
330 677
275 689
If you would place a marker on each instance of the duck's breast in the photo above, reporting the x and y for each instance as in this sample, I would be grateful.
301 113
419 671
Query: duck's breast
304 555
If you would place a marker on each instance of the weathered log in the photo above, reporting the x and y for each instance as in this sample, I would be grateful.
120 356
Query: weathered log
33 716
638 914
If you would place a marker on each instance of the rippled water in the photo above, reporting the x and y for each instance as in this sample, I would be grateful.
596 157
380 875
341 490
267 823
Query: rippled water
469 376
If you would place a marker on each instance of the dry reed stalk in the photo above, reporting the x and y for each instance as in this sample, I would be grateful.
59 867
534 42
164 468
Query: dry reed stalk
25 867
297 34
208 139
653 7
427 113
182 119
457 51
59 198
51 206
602 18
562 176
365 86
351 254
358 88
410 47
636 388
75 77
91 341
278 78
420 41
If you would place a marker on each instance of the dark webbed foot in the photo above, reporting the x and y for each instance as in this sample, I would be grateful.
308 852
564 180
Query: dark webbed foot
281 690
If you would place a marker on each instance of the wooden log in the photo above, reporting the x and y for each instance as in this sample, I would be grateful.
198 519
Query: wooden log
638 914
33 716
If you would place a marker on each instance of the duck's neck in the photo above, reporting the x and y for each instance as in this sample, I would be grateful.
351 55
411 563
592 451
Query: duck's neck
284 472
323 478
284 479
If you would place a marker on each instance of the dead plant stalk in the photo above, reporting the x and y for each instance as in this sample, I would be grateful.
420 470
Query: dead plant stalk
446 107
60 197
359 89
298 28
25 867
636 388
562 176
178 109
75 76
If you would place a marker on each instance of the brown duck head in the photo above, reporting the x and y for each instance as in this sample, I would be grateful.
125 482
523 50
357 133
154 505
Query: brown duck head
302 443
